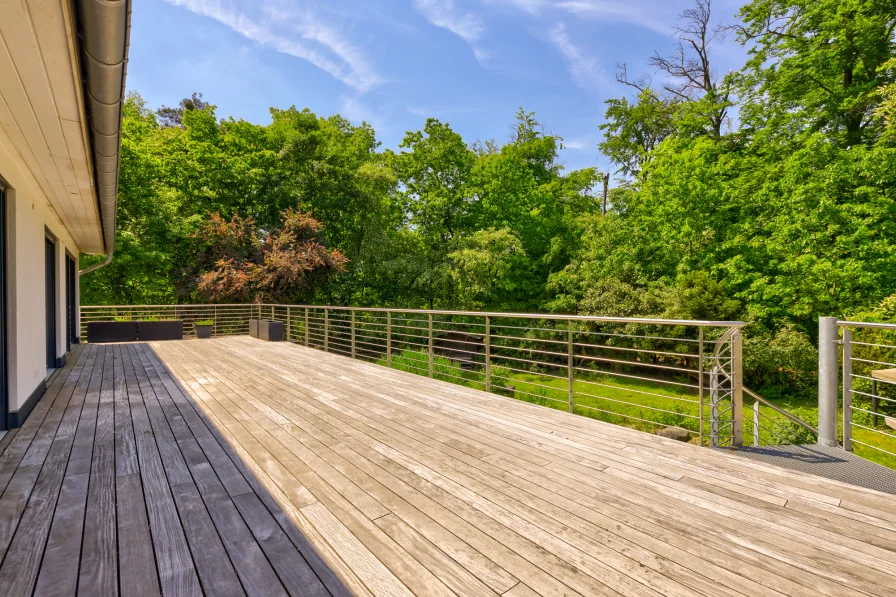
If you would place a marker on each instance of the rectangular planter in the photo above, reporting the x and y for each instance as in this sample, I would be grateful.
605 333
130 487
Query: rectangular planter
272 331
111 331
171 329
204 331
253 328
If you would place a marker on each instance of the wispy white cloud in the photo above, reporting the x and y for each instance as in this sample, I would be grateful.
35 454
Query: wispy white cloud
643 13
445 14
575 144
357 111
530 6
636 12
585 70
466 25
294 31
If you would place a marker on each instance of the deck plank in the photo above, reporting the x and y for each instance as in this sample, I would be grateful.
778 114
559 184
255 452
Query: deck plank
18 445
21 565
278 506
99 551
177 573
234 466
329 389
138 574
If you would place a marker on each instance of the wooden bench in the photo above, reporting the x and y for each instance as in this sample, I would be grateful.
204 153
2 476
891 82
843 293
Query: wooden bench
886 375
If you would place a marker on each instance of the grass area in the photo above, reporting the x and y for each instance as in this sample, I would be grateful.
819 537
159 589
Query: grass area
640 404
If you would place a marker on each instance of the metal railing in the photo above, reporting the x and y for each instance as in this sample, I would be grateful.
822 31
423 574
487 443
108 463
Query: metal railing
642 373
869 389
771 425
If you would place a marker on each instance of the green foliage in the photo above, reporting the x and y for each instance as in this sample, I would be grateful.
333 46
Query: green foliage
782 363
815 67
634 129
204 322
789 216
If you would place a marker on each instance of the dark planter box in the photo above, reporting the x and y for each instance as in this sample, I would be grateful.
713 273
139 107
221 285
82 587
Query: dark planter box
253 328
111 331
272 331
172 329
204 331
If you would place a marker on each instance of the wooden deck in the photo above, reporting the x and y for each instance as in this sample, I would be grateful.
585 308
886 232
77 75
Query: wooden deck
234 466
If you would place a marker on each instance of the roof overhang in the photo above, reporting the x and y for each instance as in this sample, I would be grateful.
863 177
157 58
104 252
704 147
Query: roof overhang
62 72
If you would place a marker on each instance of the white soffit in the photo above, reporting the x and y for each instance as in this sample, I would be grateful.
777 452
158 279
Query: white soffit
42 111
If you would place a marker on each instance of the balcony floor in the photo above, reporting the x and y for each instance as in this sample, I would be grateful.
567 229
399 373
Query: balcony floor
234 466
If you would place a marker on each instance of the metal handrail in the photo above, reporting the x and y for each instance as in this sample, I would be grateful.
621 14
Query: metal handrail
597 319
864 376
780 411
866 325
543 358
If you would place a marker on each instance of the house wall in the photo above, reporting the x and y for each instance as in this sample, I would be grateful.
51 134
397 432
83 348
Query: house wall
30 219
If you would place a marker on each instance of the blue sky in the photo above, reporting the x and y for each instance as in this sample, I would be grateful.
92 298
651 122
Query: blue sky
393 63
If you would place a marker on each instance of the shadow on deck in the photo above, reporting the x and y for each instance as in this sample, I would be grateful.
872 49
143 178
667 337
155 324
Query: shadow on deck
829 462
117 484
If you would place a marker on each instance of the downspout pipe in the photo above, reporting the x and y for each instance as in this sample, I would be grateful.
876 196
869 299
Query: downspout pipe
104 27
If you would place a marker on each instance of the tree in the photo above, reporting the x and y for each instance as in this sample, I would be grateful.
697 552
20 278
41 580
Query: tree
886 110
816 66
173 117
491 271
434 171
238 262
634 129
689 78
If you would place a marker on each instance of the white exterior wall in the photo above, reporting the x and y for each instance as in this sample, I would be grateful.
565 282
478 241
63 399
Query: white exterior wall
29 218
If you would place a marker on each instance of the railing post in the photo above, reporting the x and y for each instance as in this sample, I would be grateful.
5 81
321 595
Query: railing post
288 323
700 377
215 325
326 329
828 382
307 332
388 338
353 334
430 345
847 389
737 390
272 312
570 392
488 354
756 424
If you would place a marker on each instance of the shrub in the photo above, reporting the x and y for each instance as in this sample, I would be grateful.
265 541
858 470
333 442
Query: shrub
781 363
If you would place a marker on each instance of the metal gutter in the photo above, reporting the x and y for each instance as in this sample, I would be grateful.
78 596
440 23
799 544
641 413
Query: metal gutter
104 28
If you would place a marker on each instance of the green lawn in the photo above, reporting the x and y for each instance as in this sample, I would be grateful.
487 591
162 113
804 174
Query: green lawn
639 404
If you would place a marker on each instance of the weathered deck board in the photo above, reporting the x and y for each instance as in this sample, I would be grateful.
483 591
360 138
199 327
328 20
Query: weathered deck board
115 487
234 466
575 488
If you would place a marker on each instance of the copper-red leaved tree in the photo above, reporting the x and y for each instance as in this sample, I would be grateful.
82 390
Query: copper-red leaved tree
238 262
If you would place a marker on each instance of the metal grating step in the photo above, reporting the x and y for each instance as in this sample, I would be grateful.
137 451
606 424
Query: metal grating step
831 463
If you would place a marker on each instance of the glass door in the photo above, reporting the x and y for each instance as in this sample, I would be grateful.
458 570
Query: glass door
50 302
4 391
70 278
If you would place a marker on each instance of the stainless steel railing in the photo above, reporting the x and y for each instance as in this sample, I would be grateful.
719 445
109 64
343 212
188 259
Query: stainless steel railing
869 389
643 373
770 425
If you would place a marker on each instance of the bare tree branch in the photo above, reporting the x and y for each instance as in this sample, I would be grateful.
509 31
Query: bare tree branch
690 65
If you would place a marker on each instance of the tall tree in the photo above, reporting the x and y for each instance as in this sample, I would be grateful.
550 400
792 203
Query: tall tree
689 77
815 66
